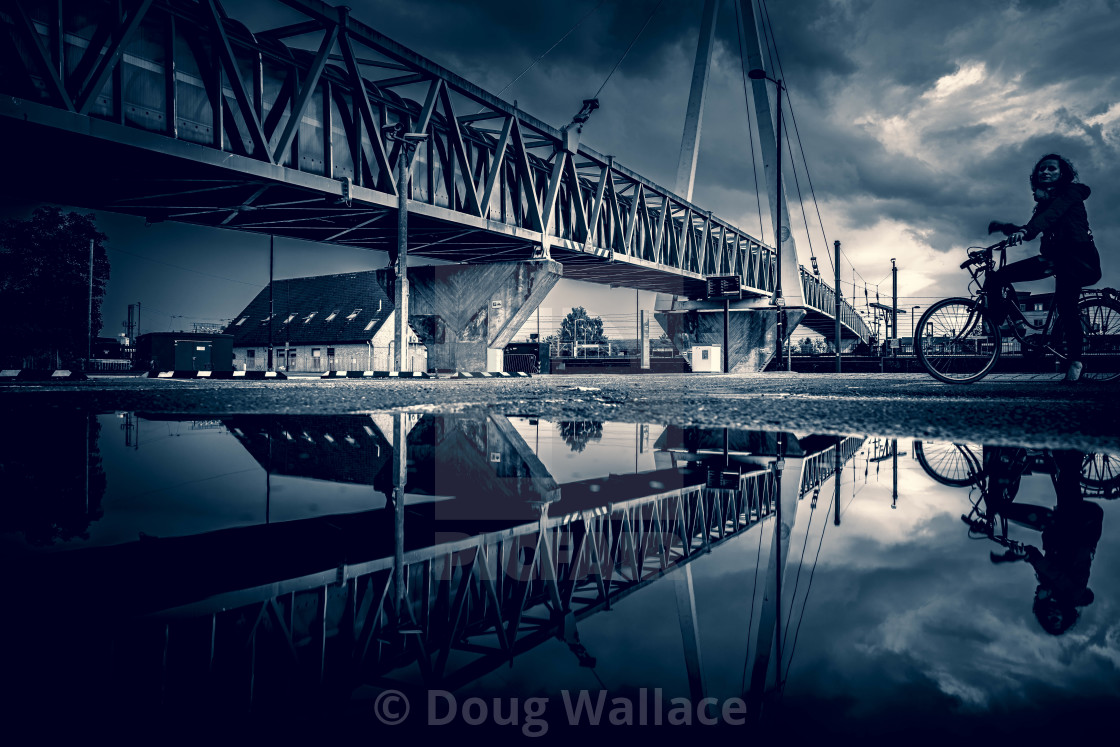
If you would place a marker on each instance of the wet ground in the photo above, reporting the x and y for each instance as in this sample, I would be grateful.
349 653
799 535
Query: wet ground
863 556
1010 408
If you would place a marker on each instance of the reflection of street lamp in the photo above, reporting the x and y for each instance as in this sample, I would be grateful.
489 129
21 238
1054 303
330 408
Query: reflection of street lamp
778 301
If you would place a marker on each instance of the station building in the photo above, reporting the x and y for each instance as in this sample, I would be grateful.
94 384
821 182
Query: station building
322 323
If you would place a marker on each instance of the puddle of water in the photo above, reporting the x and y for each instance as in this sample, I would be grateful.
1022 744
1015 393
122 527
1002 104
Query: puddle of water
492 569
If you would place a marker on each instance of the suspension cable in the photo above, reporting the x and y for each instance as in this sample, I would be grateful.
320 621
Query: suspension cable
632 42
797 185
808 588
800 565
554 45
754 593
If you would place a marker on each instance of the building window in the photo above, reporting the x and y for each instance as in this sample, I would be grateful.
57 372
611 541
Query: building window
241 321
704 354
251 354
315 352
370 325
290 318
331 315
353 315
309 317
330 352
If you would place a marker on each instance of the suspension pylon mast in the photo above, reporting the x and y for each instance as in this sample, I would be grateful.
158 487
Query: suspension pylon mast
764 122
694 116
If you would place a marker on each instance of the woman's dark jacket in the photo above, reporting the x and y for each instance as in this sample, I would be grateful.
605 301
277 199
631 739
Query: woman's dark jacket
1067 240
1061 219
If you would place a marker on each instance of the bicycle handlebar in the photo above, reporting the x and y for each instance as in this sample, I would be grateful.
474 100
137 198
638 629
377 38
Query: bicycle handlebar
980 255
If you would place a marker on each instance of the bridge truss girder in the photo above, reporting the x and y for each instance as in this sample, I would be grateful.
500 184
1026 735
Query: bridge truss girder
471 604
179 113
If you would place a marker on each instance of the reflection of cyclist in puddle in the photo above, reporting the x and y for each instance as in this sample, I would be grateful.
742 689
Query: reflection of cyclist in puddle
1069 534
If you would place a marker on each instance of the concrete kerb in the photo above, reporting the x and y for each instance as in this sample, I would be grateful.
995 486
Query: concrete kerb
24 375
220 375
424 375
377 375
490 375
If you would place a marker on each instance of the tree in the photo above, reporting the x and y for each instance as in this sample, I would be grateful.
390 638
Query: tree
577 433
45 286
579 327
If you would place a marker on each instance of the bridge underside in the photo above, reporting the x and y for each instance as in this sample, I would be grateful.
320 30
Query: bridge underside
73 168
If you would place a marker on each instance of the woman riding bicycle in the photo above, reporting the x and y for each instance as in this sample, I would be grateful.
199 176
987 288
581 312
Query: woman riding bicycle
1067 250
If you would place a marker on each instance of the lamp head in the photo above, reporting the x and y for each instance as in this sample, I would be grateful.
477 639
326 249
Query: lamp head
757 74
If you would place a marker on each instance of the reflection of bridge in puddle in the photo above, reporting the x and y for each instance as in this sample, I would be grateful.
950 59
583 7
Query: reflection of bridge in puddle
479 554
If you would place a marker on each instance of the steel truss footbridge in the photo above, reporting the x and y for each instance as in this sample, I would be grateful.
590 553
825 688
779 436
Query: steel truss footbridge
428 599
174 111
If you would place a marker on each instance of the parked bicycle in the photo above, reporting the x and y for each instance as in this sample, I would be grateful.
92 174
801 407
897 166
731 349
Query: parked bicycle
960 340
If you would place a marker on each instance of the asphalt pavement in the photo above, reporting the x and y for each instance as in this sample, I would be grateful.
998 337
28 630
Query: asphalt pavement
1010 409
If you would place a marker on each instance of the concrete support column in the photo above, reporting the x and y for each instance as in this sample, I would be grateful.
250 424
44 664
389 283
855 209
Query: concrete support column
751 332
466 314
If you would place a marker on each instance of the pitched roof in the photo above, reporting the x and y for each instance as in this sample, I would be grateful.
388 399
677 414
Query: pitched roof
344 308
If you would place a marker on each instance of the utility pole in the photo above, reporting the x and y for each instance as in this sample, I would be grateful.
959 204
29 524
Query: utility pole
894 307
836 308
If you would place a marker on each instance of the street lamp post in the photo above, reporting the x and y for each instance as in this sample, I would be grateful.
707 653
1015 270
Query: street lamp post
408 143
913 345
778 301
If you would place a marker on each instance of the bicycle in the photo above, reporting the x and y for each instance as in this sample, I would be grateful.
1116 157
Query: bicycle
959 340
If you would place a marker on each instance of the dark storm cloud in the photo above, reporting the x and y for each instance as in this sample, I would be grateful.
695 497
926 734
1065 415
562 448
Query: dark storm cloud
499 38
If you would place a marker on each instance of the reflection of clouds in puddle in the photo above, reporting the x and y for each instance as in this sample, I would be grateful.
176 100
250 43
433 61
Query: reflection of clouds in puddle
973 698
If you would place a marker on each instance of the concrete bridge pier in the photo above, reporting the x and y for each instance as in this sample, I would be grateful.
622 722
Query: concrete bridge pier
466 314
752 328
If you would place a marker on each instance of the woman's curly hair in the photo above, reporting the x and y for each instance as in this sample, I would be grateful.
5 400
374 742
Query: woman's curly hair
1067 175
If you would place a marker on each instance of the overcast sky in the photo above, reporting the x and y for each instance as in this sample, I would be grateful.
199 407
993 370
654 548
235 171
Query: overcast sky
919 122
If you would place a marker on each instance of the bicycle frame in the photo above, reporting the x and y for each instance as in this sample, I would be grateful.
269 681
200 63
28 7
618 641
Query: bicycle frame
980 263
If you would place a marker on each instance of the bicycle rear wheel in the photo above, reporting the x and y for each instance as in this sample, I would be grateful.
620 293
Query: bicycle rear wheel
955 343
1100 324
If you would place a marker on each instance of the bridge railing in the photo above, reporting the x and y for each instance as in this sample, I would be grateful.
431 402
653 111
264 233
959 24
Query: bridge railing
822 298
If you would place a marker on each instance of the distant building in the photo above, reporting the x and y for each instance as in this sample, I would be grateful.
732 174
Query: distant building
322 323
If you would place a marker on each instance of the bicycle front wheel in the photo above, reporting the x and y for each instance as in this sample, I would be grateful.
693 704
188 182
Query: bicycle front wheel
955 343
956 465
1100 325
